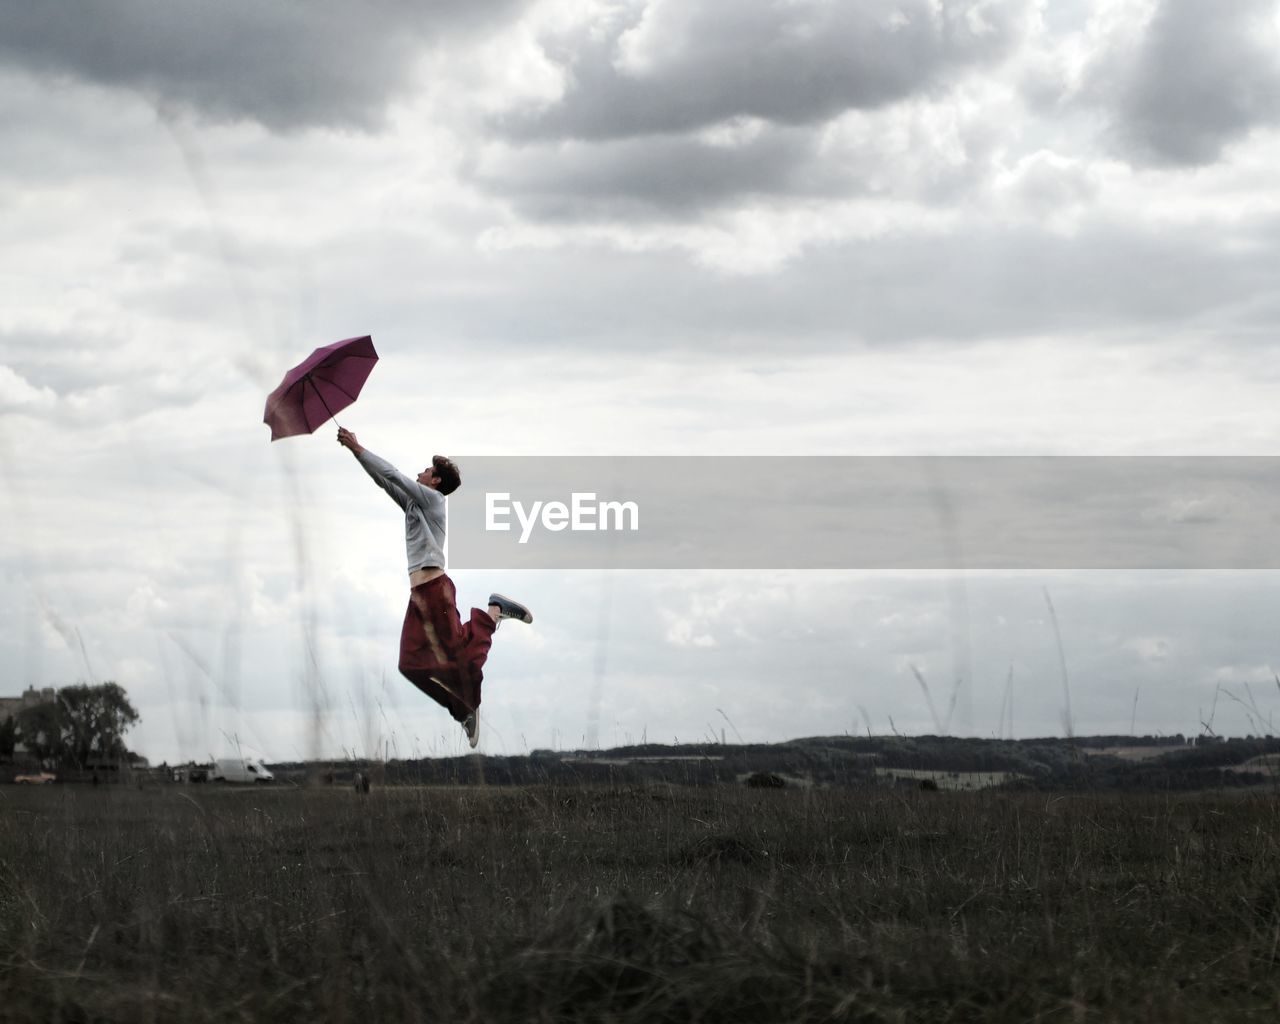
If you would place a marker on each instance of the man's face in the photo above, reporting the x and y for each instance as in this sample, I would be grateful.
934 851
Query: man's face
429 478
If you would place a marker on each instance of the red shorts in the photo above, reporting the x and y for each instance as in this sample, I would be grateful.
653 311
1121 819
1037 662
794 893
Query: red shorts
438 654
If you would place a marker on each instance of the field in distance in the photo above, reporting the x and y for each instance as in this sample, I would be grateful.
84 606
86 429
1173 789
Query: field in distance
1050 764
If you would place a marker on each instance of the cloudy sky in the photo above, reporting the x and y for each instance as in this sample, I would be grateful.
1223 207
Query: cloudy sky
644 227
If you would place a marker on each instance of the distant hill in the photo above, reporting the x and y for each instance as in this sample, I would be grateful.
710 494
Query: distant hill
1093 763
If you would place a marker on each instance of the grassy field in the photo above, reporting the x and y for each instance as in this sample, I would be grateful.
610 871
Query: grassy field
642 904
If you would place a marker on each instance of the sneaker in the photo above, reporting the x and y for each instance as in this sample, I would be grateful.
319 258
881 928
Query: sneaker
471 726
509 609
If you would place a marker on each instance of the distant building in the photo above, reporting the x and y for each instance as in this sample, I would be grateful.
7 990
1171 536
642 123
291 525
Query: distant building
10 706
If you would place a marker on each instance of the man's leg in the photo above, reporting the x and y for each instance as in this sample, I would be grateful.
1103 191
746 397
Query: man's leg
476 637
429 643
444 658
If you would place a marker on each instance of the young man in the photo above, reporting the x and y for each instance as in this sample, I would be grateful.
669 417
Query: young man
438 654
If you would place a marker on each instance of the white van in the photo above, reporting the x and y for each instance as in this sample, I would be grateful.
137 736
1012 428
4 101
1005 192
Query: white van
235 769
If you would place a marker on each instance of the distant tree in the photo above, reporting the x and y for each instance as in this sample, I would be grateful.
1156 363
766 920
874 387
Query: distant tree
8 737
40 729
94 720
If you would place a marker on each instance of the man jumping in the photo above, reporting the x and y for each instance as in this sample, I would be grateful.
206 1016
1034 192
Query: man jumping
438 654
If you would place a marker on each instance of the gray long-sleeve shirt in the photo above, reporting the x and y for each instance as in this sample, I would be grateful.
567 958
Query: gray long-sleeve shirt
424 511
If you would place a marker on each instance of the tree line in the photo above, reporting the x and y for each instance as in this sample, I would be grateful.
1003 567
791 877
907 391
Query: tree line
83 725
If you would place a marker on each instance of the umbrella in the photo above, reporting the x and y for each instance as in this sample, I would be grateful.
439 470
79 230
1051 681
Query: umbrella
323 384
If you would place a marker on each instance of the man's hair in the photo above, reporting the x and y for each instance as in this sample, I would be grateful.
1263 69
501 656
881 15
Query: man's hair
448 473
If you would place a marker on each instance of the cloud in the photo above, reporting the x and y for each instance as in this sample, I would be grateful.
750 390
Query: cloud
286 65
1151 648
82 376
1208 509
1048 187
1195 79
680 65
17 393
58 363
670 112
640 178
969 281
916 151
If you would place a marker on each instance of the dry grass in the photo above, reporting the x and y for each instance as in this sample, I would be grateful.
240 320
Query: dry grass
646 904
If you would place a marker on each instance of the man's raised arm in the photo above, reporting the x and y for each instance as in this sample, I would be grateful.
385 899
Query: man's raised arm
400 487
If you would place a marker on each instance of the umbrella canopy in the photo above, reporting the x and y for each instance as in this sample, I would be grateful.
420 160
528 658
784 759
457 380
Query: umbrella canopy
320 386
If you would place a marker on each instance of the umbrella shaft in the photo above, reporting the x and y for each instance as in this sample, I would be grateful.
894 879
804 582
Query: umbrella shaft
322 401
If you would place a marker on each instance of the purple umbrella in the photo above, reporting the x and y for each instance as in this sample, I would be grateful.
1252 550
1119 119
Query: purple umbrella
324 383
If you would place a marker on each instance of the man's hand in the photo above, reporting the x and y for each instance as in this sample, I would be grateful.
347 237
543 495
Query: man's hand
348 440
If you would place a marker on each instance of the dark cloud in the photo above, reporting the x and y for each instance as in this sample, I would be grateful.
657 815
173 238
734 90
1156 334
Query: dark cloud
1202 77
685 177
641 178
286 65
679 66
674 110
